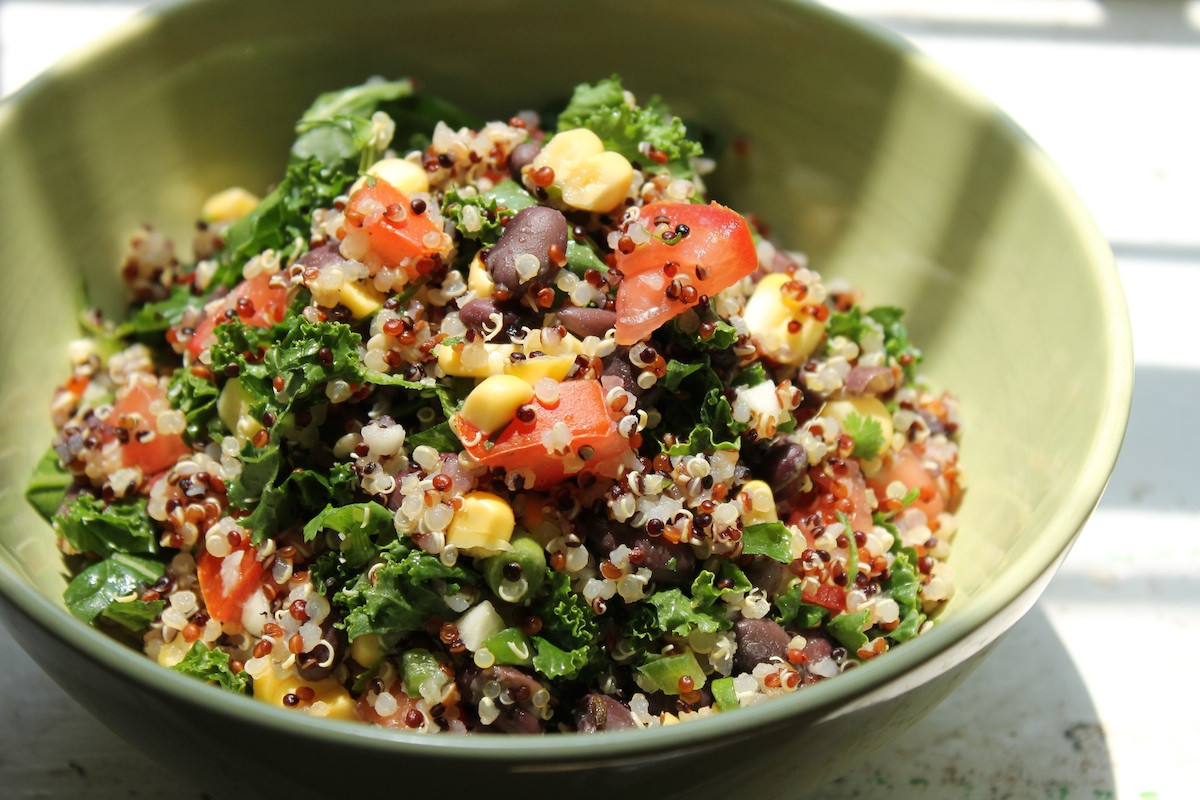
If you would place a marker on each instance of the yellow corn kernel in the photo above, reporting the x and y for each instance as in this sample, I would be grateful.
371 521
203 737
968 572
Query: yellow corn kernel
483 526
330 699
406 176
493 403
229 205
361 298
174 651
367 649
588 176
761 501
490 361
478 280
532 369
233 407
566 149
597 183
768 317
867 408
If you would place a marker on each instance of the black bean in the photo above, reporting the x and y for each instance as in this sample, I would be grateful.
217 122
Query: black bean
618 366
478 313
587 321
668 563
599 712
320 662
533 230
522 156
321 256
783 467
758 640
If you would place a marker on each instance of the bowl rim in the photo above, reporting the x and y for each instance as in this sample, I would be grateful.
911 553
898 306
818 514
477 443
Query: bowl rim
825 698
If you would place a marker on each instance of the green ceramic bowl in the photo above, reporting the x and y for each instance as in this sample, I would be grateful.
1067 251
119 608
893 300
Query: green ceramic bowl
888 171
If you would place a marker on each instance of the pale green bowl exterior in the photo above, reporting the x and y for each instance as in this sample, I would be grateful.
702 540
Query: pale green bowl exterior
888 171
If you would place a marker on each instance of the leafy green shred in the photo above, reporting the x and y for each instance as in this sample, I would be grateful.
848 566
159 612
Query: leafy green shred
672 611
554 662
277 502
506 197
848 629
115 581
361 526
770 539
406 588
197 398
47 485
854 324
90 526
605 109
567 619
213 666
793 609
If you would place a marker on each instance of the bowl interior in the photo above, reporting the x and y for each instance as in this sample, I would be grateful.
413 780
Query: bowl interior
859 151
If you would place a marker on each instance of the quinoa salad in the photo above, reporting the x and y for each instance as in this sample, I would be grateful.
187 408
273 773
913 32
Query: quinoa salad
498 426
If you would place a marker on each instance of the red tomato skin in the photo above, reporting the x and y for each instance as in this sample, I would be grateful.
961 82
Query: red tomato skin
906 467
163 449
718 241
227 606
395 243
269 301
519 446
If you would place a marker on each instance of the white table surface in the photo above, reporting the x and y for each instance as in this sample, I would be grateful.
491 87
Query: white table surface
1098 680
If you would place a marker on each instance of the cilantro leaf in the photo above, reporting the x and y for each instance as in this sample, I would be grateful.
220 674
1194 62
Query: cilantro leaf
606 110
854 325
212 666
867 434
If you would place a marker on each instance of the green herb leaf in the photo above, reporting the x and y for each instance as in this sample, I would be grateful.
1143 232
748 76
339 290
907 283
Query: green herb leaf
213 666
94 590
770 539
604 109
197 398
792 608
90 526
567 619
407 588
47 485
867 434
848 629
554 662
361 525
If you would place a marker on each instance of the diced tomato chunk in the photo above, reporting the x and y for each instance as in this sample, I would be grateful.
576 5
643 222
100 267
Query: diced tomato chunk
826 595
136 427
365 708
591 428
227 583
842 490
907 466
711 249
256 301
395 231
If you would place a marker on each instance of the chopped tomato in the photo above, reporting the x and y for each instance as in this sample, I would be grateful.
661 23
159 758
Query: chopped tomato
908 467
397 719
256 301
395 231
590 434
710 247
837 489
227 583
136 427
826 595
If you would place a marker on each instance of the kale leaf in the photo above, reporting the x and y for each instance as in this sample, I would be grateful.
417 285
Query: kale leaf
606 110
90 526
97 588
213 666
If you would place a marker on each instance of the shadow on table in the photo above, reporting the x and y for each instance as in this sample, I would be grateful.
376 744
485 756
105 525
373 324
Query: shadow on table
1022 726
